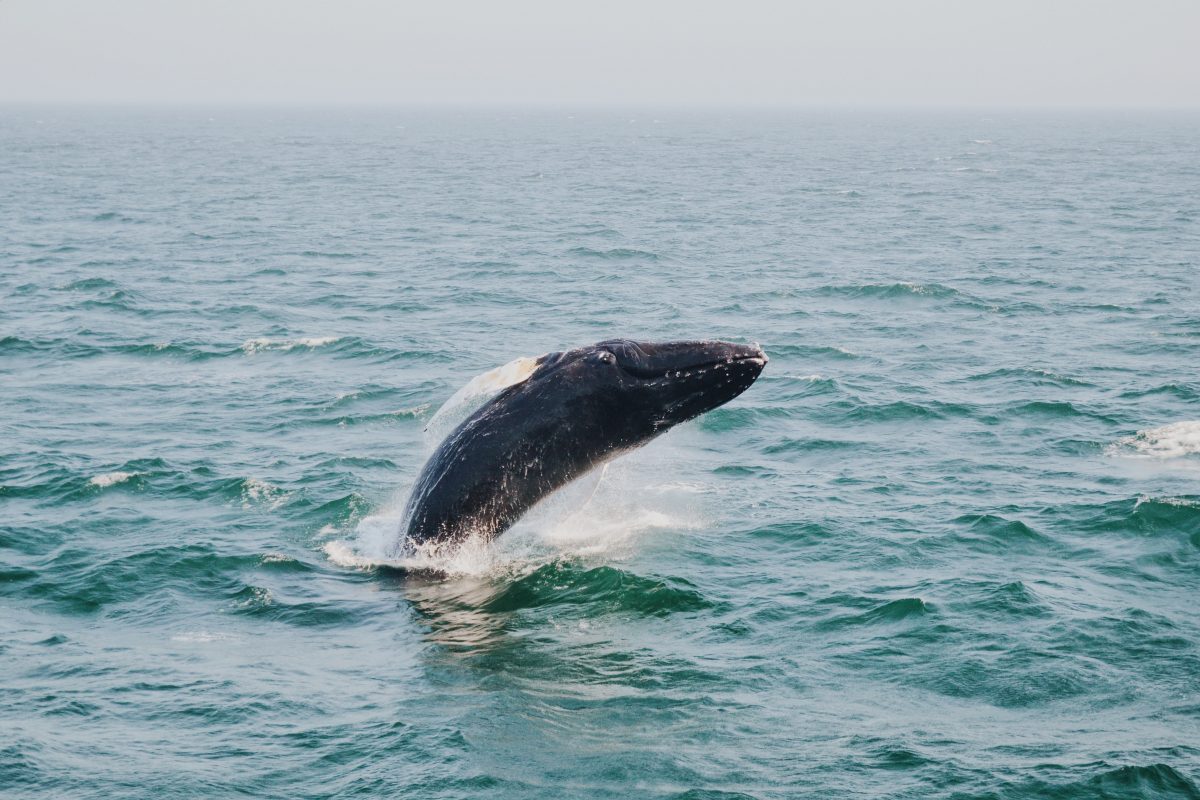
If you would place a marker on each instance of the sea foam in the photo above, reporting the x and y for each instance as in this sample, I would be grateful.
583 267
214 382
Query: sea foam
1177 440
111 479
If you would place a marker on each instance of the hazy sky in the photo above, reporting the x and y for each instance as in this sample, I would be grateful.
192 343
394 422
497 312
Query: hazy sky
677 52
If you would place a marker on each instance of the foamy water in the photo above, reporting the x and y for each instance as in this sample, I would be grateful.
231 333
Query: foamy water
251 346
110 478
1177 440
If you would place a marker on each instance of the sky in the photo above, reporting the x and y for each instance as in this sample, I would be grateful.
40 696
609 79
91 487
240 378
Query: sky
826 53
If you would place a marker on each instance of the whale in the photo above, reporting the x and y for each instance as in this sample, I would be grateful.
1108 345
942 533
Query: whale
566 413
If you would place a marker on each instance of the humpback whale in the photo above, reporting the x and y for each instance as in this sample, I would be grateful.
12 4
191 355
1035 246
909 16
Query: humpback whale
575 410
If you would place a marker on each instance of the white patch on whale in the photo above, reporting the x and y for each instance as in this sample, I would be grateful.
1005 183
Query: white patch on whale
474 394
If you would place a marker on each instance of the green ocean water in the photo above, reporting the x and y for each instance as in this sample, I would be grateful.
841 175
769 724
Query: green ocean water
948 546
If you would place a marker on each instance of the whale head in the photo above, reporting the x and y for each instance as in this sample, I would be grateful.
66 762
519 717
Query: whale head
631 391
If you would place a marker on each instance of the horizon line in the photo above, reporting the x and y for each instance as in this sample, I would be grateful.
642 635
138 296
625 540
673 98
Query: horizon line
666 106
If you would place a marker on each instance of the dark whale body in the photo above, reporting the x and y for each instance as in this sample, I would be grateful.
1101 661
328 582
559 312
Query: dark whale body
575 411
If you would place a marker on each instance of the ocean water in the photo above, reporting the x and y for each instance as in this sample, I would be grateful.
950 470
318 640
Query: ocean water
948 546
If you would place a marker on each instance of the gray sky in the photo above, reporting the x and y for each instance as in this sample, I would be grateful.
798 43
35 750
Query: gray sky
625 52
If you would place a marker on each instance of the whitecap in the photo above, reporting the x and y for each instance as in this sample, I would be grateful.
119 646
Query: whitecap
415 411
1177 440
203 637
111 478
258 492
1178 502
252 346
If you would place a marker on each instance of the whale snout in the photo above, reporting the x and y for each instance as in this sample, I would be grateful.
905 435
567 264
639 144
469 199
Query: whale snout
748 353
691 378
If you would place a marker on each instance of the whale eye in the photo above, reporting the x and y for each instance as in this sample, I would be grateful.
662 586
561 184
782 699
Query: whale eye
605 357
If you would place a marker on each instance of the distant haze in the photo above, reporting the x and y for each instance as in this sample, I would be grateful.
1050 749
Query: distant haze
616 52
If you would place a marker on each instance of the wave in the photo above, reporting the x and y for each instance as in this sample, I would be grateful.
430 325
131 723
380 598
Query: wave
793 445
337 256
115 216
614 254
88 284
1016 599
82 348
1149 782
1053 408
1176 390
809 385
811 351
904 608
261 602
899 410
194 482
990 533
893 291
394 416
81 580
1145 515
251 346
603 589
1031 376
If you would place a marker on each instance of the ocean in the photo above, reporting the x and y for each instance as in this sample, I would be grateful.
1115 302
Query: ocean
947 546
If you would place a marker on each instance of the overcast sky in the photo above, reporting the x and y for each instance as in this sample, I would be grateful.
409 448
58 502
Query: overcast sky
1106 53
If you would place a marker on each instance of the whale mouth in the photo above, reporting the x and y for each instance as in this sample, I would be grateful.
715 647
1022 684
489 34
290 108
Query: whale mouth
757 362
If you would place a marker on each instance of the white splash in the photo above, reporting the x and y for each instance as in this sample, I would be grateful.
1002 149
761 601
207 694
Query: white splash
1177 440
475 393
601 515
251 346
111 479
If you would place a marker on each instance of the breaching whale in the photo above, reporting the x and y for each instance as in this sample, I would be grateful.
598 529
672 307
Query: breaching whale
576 410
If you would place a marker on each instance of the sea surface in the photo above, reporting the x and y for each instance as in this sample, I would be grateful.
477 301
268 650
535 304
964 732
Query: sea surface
948 546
